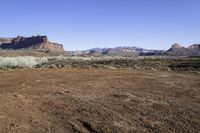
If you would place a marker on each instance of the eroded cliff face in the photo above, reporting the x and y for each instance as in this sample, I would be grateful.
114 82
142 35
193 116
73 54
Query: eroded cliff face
178 50
37 43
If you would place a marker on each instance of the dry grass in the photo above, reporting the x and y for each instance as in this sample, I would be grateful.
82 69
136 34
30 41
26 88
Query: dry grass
21 61
112 62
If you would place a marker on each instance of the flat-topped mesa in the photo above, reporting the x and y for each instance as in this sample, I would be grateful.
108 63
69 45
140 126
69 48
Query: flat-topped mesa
37 43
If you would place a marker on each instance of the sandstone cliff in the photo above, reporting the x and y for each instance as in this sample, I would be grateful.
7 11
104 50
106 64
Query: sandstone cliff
37 43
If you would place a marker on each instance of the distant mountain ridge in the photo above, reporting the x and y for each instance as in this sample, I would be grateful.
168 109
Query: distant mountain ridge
175 50
37 43
117 51
42 44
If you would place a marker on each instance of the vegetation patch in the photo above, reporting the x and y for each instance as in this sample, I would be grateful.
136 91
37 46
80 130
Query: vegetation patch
108 62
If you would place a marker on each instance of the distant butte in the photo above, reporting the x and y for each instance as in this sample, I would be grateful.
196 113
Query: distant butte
36 43
178 50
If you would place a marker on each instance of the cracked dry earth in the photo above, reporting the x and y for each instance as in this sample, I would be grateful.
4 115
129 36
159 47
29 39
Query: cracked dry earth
97 100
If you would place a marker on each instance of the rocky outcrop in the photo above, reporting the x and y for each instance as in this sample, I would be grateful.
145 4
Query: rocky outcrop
5 40
37 43
178 50
194 46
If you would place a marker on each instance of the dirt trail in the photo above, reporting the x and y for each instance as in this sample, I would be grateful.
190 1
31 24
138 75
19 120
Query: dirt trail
83 100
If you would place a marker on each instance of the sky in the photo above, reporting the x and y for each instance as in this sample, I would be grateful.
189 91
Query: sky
85 24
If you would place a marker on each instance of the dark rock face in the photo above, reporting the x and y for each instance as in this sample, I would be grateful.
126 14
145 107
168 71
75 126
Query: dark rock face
177 50
194 46
39 43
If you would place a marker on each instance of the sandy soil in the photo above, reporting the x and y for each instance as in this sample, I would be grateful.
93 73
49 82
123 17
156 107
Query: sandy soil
83 100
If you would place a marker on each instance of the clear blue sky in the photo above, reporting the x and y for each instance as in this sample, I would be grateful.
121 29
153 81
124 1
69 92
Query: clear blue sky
83 24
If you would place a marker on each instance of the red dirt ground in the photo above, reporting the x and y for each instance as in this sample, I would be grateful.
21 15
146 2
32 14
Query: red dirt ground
97 100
